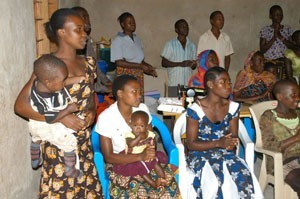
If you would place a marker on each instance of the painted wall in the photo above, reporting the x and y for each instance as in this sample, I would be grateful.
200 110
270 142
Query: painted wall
17 52
155 23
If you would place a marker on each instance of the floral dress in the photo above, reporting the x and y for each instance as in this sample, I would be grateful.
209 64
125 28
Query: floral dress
229 172
54 184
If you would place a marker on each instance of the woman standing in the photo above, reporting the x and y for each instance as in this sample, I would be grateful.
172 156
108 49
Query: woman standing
66 29
112 125
127 52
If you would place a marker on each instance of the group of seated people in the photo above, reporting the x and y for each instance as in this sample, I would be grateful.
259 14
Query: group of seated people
65 94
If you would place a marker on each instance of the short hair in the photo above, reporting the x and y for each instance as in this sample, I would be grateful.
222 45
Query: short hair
124 16
214 13
46 67
281 85
274 8
141 114
57 21
119 83
178 22
212 73
295 35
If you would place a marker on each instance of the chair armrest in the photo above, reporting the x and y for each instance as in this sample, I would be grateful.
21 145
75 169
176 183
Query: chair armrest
276 155
167 141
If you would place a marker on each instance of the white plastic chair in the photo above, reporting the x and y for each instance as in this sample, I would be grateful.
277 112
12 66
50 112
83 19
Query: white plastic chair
281 189
186 176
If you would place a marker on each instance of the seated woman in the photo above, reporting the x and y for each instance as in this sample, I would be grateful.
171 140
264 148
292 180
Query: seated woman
254 84
212 135
113 123
292 61
206 60
281 131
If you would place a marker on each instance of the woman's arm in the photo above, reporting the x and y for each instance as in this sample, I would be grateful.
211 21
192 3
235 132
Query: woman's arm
266 45
194 144
22 105
289 69
237 96
113 158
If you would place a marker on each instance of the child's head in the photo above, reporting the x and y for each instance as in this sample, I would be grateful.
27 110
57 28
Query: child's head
217 80
139 122
86 18
276 14
287 93
257 62
296 38
127 21
51 72
126 88
217 19
182 27
271 67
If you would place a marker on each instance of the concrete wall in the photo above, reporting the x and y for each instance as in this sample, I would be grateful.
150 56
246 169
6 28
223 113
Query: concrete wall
17 52
155 23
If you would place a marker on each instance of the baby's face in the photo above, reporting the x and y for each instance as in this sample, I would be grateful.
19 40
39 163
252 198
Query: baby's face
139 126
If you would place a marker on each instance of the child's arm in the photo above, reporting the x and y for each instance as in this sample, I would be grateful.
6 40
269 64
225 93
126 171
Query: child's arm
132 142
71 108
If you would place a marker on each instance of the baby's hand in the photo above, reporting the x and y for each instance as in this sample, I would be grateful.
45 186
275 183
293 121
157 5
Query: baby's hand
73 107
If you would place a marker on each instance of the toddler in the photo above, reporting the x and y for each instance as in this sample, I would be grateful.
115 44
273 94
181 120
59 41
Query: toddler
49 98
137 141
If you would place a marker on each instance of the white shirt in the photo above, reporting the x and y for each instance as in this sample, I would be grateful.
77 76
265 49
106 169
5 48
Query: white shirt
222 45
111 124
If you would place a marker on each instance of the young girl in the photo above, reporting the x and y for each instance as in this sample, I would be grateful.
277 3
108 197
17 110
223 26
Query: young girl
292 62
281 131
206 59
212 135
253 83
275 39
137 141
126 90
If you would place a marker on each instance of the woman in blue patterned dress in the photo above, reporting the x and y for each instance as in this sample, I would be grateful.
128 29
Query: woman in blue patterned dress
212 135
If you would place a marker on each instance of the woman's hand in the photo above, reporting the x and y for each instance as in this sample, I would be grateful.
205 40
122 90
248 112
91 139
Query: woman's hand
89 118
73 122
148 69
228 143
148 153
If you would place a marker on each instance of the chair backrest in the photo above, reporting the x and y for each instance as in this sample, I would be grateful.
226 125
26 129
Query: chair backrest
179 128
256 111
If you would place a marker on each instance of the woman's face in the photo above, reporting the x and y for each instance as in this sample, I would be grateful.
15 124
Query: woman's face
258 63
131 94
221 86
277 16
128 25
212 60
73 32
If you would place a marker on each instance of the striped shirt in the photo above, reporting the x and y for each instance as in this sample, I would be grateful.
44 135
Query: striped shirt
174 52
48 104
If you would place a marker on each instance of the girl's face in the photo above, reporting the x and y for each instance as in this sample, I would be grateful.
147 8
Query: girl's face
212 60
73 32
128 25
221 86
290 96
257 63
131 94
139 126
277 16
